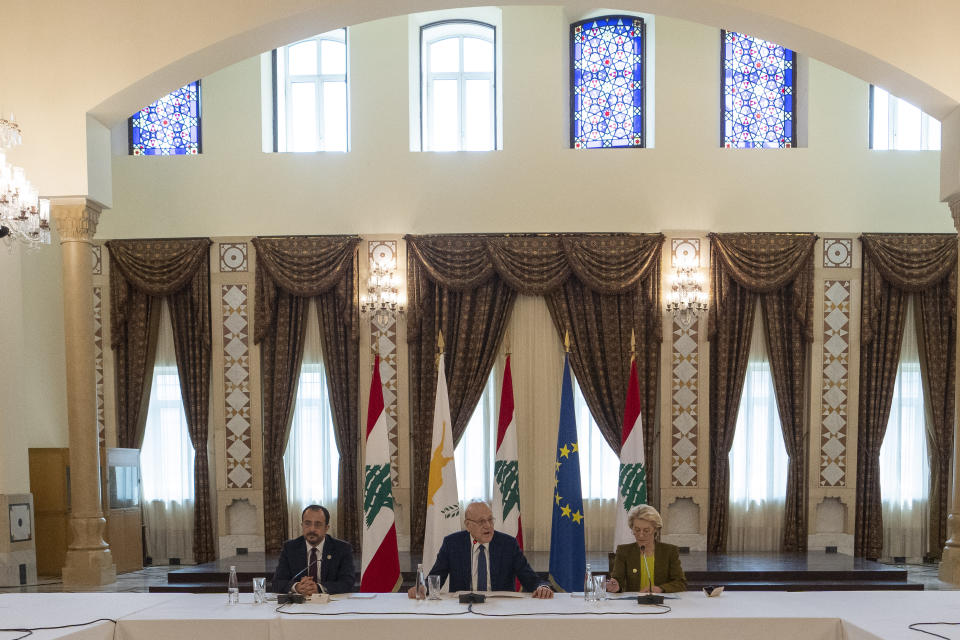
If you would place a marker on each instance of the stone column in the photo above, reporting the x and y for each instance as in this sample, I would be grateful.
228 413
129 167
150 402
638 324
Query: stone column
950 562
89 561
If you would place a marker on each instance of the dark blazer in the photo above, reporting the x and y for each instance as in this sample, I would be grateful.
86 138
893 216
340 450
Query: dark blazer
507 563
667 572
336 566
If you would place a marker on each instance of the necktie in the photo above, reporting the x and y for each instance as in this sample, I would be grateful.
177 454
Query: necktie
312 571
482 569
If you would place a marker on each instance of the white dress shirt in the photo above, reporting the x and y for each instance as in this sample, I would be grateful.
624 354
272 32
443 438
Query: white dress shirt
319 561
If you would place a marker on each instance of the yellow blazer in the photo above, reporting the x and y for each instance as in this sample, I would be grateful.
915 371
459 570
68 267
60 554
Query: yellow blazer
667 572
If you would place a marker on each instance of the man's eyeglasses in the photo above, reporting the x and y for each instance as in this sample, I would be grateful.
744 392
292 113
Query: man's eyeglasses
481 522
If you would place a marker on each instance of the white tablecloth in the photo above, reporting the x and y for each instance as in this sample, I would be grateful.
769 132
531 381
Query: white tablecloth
806 616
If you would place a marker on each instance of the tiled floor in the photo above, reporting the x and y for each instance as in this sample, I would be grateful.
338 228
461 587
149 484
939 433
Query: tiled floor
140 581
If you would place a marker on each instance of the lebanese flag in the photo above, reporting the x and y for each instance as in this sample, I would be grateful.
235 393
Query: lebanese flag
633 469
381 561
506 468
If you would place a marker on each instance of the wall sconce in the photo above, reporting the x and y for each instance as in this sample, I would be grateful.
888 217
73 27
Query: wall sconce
382 301
686 297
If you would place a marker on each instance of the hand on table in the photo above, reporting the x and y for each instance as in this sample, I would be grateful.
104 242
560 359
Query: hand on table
412 592
543 592
612 585
306 586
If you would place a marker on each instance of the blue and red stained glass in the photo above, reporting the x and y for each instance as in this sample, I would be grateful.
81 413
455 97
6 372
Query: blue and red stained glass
607 87
168 127
758 93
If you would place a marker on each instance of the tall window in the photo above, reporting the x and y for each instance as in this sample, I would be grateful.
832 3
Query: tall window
896 124
477 449
458 86
758 458
166 459
311 94
759 93
607 75
311 461
904 466
168 127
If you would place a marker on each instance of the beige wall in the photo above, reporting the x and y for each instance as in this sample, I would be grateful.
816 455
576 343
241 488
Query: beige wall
534 184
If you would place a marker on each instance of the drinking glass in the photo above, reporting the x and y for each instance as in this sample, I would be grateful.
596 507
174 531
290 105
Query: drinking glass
259 590
434 583
600 587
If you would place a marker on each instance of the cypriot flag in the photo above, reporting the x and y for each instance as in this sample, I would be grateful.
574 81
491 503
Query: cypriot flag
381 562
633 473
443 504
506 467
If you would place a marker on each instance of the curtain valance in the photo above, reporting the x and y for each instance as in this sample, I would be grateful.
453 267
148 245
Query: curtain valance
303 266
762 263
157 268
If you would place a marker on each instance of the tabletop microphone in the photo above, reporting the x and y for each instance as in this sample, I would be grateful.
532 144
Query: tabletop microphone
650 597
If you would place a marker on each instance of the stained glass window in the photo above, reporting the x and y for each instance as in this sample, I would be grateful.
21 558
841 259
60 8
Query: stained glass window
168 127
758 93
607 92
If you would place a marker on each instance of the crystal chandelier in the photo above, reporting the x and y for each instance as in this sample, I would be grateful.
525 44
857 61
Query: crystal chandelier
686 298
382 300
24 217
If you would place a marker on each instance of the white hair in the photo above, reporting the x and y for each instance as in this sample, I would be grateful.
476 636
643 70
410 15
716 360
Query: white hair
645 512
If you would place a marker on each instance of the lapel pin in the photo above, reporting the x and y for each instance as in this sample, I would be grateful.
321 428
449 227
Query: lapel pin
329 557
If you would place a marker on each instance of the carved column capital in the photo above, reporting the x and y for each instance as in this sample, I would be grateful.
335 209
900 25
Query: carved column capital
954 202
75 218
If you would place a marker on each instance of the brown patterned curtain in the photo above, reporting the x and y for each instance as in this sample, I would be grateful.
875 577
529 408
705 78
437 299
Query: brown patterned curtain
600 286
292 271
142 273
777 268
894 267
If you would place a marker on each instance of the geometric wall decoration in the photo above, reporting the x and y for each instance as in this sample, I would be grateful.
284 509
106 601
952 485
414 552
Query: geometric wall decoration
236 385
836 369
684 383
233 257
98 359
685 250
21 526
837 253
383 340
97 263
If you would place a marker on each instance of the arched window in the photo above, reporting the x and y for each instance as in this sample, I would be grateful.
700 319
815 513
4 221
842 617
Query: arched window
458 92
759 93
311 94
607 92
168 127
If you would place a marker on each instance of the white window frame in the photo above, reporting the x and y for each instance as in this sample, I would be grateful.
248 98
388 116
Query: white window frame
929 126
283 86
460 30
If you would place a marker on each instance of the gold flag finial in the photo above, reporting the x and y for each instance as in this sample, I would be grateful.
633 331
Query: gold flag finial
506 343
633 344
436 361
566 341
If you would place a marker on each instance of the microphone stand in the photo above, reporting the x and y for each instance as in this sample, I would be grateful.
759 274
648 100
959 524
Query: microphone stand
650 597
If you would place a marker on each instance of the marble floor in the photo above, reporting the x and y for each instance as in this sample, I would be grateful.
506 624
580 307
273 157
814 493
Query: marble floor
140 581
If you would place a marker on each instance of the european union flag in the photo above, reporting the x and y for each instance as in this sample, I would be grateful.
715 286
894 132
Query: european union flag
567 548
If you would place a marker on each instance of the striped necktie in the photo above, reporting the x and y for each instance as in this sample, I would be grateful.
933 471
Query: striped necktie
312 571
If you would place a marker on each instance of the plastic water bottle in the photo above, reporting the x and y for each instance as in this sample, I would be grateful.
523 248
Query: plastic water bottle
588 585
233 587
421 583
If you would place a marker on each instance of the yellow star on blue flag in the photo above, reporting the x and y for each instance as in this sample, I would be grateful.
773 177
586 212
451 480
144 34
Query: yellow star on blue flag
567 548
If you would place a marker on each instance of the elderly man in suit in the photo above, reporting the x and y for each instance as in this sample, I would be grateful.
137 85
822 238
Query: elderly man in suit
481 559
315 562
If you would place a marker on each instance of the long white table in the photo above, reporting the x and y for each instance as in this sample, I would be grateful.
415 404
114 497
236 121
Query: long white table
807 616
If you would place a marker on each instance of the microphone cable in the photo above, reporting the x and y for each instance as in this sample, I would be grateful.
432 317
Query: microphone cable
28 631
913 627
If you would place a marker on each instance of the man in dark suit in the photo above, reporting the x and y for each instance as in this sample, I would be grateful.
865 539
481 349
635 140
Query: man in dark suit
481 559
315 561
